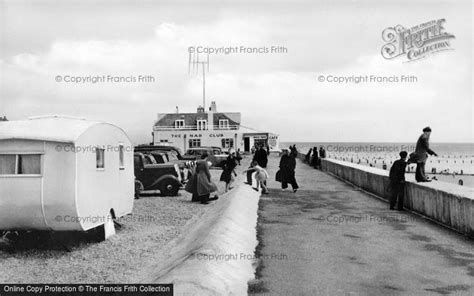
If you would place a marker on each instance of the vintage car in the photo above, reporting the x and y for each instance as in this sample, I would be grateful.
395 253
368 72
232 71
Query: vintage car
216 156
148 148
156 172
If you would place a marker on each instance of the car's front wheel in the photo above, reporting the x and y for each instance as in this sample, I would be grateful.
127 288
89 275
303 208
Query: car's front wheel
169 188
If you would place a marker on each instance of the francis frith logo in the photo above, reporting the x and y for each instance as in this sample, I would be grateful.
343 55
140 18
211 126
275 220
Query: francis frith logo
416 42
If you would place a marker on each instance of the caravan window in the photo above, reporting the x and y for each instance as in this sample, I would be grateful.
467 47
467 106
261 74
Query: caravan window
99 153
29 164
7 164
20 164
121 162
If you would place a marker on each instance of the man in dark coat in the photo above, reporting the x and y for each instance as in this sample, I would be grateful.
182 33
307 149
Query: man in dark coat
421 155
287 170
261 157
397 181
314 159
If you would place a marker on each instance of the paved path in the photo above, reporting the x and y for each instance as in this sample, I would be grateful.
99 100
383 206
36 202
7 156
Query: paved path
330 238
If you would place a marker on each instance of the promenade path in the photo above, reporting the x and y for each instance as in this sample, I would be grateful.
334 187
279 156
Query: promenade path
331 238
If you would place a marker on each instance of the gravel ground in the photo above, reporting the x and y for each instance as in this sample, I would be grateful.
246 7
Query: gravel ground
77 258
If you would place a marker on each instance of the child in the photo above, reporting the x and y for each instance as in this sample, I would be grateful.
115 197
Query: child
261 176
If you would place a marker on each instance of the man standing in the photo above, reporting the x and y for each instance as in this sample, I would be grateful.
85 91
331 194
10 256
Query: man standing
421 155
261 156
315 158
397 181
287 170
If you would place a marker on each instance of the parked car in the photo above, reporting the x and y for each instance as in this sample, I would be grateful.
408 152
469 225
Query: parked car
216 156
172 154
167 177
149 148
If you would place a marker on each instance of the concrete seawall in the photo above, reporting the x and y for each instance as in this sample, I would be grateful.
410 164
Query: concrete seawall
215 255
448 204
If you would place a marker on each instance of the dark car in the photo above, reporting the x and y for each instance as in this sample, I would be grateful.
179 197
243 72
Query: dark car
167 177
215 155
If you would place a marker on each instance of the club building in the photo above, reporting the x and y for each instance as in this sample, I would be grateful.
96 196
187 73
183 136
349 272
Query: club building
211 128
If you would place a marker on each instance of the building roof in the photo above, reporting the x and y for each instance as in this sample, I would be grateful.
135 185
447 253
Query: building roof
190 119
248 130
48 128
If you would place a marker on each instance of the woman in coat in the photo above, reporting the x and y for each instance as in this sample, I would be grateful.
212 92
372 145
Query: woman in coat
228 173
200 184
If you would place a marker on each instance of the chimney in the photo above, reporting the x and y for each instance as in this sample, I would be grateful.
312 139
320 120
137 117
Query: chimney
213 107
177 110
210 116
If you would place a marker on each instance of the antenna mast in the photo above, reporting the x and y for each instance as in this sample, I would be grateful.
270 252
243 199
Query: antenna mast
194 61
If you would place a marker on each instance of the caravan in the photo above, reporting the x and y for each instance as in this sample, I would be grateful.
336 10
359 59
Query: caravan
63 174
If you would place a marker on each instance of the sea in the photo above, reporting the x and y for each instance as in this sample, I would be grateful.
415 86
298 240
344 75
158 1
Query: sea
454 164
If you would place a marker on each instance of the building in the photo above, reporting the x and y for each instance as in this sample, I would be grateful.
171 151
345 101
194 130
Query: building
63 174
211 128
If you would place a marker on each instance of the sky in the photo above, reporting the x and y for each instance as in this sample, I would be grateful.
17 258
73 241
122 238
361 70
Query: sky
278 92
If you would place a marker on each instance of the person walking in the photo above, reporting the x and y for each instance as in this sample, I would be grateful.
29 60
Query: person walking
261 156
397 181
420 155
229 173
200 184
287 171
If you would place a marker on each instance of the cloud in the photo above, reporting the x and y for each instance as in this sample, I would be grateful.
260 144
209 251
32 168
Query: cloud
276 92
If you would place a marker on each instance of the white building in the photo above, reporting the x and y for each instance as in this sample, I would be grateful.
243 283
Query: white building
61 173
211 128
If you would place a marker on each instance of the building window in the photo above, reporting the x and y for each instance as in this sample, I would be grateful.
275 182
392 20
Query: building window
223 123
193 143
228 143
20 164
163 140
202 124
100 155
121 156
179 123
